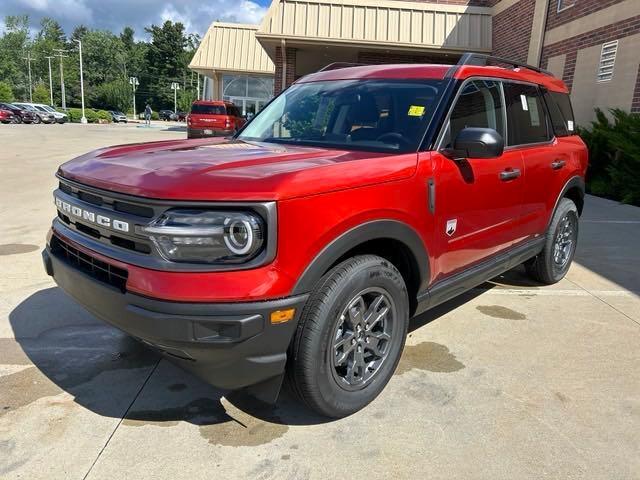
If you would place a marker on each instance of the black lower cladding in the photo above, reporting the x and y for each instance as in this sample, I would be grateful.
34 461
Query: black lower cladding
229 345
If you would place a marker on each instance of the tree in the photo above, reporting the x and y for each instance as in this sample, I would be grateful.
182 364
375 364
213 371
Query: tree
164 61
14 44
6 93
115 95
41 94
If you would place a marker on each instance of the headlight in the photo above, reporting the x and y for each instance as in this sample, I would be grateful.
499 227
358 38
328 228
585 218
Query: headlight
210 237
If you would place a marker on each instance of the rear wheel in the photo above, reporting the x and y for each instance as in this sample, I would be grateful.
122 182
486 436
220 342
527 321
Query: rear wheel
350 336
37 120
552 264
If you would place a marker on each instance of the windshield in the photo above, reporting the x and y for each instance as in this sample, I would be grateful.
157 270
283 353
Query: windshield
387 115
49 109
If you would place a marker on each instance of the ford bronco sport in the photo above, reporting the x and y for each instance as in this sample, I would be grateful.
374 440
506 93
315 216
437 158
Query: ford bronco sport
357 199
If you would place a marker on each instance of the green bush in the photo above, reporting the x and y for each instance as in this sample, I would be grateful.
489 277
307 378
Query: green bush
614 156
41 94
155 116
6 92
93 116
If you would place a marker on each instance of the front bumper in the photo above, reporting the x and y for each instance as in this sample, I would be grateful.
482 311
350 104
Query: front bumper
229 345
200 132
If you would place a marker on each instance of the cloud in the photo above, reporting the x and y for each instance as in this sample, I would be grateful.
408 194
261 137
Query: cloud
114 15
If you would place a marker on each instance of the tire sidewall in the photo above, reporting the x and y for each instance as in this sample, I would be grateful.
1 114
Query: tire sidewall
375 273
566 207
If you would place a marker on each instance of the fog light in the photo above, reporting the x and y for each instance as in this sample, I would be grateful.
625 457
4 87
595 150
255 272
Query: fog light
282 316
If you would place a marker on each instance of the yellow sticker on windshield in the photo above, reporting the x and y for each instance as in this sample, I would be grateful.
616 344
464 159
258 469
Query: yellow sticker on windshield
416 111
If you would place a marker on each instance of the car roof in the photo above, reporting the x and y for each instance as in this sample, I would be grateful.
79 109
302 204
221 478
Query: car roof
436 72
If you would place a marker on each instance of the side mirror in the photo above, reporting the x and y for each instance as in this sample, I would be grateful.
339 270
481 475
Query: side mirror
474 142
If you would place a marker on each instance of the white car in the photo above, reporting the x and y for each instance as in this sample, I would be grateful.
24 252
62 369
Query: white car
40 107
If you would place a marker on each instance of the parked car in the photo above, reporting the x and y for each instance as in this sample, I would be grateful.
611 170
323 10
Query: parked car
165 115
59 116
7 116
44 115
21 115
179 116
357 199
209 118
118 116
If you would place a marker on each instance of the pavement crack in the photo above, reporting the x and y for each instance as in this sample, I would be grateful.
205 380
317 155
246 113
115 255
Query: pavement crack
144 384
605 302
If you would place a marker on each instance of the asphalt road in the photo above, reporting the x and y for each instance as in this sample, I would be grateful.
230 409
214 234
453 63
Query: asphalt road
509 381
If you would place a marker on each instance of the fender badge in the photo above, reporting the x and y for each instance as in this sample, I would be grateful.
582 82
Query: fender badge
451 227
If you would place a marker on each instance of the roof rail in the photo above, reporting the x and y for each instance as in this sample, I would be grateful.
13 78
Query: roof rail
339 65
483 60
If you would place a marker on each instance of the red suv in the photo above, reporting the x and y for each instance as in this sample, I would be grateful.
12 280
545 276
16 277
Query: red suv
209 118
356 200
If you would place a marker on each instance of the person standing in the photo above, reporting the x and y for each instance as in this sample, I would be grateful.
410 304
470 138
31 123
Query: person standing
147 115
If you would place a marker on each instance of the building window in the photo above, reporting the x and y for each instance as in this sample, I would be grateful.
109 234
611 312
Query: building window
607 61
564 4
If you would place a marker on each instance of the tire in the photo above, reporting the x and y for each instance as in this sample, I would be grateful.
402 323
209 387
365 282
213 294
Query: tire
552 264
37 120
333 332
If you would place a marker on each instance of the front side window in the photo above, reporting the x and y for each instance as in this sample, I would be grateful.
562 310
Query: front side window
478 105
526 116
385 115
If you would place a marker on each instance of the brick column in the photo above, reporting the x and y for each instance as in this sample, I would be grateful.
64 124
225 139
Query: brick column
290 66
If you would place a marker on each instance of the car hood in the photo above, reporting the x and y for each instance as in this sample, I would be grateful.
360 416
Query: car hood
217 169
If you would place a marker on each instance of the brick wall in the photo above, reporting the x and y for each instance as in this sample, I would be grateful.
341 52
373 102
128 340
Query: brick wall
512 31
570 47
635 104
579 9
291 69
376 58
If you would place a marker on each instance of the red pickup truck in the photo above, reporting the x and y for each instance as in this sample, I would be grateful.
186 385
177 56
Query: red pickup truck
301 248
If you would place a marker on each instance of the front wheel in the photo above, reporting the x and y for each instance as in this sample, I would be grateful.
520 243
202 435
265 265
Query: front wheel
552 264
350 336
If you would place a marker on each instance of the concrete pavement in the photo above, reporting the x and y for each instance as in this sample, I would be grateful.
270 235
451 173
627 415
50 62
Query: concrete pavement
511 380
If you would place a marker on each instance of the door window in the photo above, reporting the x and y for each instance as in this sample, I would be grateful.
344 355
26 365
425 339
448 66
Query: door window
526 115
479 105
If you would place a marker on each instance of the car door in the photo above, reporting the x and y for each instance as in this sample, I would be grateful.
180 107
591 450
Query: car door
479 201
539 132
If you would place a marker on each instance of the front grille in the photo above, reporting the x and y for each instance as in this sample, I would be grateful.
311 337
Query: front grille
101 271
116 205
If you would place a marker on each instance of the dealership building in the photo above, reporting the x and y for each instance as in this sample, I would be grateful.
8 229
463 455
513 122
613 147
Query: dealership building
592 45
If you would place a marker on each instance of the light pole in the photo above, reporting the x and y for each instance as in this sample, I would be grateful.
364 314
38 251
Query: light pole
62 93
134 83
83 119
29 60
50 81
175 86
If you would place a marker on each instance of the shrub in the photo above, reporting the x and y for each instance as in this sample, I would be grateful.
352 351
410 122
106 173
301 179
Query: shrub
41 94
6 92
93 116
614 156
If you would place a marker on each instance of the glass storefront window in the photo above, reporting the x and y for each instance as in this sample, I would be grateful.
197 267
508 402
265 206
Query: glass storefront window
249 93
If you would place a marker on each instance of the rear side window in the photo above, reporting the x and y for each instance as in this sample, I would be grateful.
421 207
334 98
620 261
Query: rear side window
526 115
561 113
208 109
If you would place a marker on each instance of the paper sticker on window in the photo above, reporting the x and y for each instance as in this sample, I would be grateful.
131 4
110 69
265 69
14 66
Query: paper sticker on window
570 125
416 111
525 105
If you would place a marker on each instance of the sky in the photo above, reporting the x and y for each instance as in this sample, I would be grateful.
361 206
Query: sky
113 15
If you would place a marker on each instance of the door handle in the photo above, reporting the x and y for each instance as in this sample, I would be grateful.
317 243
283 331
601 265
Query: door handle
510 174
558 164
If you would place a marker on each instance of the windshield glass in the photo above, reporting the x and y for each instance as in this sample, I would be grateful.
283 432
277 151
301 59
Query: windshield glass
387 115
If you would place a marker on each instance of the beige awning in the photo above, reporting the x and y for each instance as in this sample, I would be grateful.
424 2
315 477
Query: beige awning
406 25
231 47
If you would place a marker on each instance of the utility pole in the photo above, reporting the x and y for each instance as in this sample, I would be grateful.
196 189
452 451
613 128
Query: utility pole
175 86
50 81
29 60
61 56
134 83
83 119
198 97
